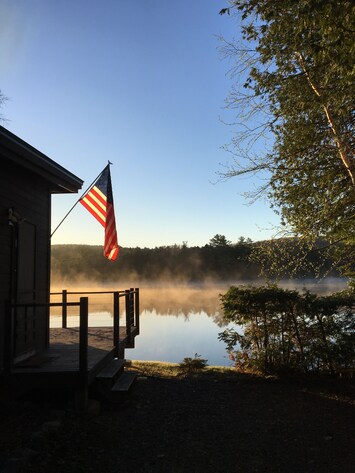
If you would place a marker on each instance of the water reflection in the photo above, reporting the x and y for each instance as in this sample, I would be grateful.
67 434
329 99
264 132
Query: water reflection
182 301
176 301
177 321
174 338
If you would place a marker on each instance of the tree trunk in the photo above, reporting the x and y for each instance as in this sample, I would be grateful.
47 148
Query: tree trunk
344 153
325 343
299 340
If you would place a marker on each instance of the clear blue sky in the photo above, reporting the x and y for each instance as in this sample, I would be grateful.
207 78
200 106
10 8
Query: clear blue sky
140 84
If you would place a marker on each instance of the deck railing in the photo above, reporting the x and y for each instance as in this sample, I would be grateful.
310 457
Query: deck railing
11 313
131 297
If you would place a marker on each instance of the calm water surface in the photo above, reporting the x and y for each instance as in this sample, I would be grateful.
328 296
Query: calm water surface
179 321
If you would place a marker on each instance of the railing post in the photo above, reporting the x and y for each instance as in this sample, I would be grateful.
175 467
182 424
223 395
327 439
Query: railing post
131 305
128 319
83 335
64 308
116 321
136 306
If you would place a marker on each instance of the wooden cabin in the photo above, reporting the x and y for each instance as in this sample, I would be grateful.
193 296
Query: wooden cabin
28 180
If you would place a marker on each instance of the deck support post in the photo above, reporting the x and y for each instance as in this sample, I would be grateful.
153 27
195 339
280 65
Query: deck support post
128 318
131 306
64 308
83 336
116 322
136 307
81 395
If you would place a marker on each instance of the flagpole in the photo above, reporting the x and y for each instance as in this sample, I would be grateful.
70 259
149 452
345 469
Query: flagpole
89 187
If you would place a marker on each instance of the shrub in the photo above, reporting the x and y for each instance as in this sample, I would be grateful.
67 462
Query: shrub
193 365
284 330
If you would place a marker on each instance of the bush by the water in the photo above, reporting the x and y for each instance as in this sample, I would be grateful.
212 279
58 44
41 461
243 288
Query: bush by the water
193 365
287 331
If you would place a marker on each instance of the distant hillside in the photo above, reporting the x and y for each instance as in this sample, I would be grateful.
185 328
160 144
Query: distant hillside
176 263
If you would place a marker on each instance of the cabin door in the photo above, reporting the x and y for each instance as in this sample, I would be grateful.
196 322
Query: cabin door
25 318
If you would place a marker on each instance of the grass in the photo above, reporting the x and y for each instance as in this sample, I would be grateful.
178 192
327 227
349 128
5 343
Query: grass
173 370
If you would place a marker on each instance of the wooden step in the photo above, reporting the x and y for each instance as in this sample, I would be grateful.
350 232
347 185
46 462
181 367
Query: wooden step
111 370
124 382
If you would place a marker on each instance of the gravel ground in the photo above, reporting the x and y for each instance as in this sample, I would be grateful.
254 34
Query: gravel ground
195 424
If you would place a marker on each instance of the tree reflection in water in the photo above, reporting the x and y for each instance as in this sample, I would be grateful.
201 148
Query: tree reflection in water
176 321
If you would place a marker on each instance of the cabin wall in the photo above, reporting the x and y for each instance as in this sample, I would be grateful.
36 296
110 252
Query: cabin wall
29 196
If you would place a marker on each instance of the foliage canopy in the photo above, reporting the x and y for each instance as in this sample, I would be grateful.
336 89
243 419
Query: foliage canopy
298 86
284 330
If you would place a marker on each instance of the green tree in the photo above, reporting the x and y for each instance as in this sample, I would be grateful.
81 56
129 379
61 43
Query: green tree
219 241
297 71
285 330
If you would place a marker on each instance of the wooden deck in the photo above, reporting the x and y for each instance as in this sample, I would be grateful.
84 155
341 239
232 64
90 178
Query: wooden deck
74 356
59 364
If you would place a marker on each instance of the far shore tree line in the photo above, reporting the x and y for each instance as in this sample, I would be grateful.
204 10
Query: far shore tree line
218 260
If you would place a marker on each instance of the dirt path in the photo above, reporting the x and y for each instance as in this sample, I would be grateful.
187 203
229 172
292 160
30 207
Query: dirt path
209 424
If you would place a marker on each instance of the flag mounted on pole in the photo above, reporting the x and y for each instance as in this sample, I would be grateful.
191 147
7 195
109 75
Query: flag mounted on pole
99 202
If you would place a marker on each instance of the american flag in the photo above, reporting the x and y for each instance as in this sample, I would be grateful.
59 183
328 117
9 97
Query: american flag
99 202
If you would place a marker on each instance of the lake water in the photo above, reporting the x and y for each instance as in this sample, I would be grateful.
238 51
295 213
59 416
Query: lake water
178 321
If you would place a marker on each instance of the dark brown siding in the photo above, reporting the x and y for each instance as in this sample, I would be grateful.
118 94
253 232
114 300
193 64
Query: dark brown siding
29 195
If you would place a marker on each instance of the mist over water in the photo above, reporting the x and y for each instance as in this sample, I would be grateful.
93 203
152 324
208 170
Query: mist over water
177 320
174 298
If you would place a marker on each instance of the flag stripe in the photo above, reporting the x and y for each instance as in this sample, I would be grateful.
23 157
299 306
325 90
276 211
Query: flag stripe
98 198
101 213
95 208
100 195
91 207
96 195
